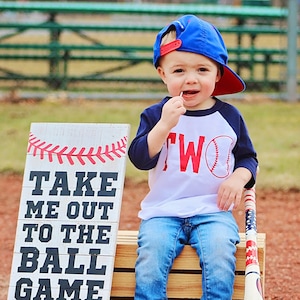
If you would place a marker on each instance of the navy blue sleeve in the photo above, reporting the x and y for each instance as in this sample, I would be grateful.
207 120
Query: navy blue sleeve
138 150
244 152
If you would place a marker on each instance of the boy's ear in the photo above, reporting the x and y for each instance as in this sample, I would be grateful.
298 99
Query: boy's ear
219 75
161 73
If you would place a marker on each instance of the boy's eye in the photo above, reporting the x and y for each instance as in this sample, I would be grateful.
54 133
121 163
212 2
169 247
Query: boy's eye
202 69
178 70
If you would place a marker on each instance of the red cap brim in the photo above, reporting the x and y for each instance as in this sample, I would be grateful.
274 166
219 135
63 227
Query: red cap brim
229 83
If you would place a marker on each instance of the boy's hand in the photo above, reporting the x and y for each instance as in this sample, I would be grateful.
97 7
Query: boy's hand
171 112
231 190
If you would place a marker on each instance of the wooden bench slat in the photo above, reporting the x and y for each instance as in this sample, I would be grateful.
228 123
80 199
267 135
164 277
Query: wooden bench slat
127 245
188 260
179 284
185 276
130 237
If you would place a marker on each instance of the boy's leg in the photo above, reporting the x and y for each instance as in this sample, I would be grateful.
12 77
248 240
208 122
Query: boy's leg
160 240
214 236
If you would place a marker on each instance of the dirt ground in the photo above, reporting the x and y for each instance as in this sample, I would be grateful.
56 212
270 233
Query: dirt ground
278 215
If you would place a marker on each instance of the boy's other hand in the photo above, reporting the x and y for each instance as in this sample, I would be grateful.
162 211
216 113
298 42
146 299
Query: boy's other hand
231 190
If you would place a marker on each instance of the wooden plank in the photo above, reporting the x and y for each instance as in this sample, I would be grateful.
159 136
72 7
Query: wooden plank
130 237
67 226
124 285
188 260
127 245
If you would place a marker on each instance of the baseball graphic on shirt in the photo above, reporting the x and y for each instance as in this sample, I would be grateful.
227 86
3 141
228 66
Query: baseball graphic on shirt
218 156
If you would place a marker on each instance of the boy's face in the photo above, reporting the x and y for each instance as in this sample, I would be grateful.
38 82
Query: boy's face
192 74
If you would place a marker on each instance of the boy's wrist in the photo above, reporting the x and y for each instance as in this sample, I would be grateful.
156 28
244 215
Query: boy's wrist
163 127
243 174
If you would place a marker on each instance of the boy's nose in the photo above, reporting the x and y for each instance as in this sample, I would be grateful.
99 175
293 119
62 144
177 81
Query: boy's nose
190 78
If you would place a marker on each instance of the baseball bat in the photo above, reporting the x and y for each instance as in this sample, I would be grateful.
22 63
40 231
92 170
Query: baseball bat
253 287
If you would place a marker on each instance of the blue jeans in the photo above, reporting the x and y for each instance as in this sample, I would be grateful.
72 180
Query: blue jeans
160 241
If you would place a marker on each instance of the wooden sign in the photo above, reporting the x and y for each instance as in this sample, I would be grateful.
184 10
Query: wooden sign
69 212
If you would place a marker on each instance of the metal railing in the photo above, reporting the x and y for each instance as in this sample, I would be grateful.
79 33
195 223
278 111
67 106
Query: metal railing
46 42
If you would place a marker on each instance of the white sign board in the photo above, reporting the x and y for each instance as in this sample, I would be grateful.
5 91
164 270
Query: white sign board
69 212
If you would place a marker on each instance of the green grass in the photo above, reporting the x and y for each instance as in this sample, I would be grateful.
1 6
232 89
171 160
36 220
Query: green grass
275 131
273 126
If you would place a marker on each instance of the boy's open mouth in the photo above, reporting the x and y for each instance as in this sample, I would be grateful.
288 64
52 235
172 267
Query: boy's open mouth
190 92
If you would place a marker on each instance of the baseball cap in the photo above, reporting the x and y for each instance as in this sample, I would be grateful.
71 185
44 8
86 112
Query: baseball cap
198 36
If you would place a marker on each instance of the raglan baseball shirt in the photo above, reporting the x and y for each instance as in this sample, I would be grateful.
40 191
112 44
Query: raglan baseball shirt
201 151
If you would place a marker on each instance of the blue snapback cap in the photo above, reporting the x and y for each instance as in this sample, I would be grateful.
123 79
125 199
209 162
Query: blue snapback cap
200 37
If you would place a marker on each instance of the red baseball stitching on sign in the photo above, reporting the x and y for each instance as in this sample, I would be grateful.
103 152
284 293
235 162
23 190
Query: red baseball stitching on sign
109 152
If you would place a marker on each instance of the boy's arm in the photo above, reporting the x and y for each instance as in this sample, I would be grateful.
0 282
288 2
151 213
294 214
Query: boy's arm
244 152
143 152
171 112
231 190
244 174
